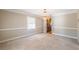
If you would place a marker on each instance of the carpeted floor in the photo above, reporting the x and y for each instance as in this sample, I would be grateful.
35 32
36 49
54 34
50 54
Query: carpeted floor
41 42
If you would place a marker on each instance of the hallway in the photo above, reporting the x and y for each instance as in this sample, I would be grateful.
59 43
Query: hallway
41 42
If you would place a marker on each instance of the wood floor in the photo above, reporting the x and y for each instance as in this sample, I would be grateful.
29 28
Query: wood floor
41 42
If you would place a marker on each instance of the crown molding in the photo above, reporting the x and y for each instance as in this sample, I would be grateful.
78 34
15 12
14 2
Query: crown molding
15 11
30 14
65 13
21 12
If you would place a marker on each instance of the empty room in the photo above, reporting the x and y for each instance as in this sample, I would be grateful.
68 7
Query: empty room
39 29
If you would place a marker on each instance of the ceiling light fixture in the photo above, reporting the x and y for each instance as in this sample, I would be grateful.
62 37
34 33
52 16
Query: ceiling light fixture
45 10
46 15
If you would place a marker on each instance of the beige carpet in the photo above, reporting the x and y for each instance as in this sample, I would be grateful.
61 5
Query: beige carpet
41 42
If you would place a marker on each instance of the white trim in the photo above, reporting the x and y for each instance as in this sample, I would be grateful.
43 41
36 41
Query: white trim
25 13
6 29
65 13
19 11
65 27
66 36
33 34
11 29
16 38
15 11
11 39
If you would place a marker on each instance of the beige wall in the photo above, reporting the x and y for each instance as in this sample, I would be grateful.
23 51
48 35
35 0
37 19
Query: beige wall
66 24
14 24
12 20
78 27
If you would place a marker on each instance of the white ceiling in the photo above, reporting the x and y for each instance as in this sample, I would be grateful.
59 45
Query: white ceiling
40 11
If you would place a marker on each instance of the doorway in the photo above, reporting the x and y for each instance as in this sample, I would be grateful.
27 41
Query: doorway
49 25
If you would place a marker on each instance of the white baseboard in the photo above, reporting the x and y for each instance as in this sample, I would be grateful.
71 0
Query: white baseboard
66 36
12 38
16 38
33 34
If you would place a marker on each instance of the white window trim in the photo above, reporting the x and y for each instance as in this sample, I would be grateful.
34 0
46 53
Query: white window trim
31 25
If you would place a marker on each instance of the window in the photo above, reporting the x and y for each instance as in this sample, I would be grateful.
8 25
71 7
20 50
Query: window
30 23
